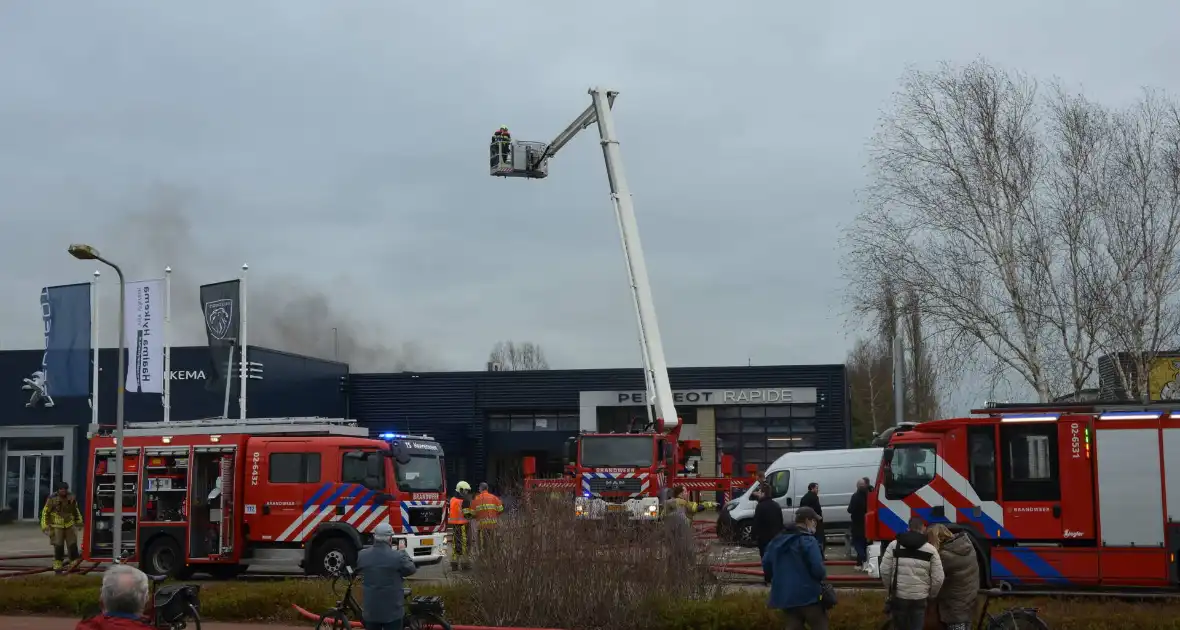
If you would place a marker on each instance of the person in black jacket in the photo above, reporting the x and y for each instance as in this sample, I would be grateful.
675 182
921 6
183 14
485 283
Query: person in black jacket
858 507
768 520
811 500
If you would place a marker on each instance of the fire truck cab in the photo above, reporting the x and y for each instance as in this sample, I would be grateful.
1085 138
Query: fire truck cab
217 496
625 475
618 472
1072 495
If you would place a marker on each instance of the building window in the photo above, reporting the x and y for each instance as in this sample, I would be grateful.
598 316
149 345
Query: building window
756 434
294 468
556 421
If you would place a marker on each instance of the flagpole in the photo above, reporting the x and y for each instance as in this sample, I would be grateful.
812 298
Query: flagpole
167 344
245 369
94 342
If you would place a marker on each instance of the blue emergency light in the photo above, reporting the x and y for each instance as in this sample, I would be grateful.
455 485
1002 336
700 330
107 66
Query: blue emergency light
391 436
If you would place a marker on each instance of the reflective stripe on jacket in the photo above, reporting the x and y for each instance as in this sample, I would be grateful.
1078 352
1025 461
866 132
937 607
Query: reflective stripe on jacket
458 512
487 508
61 513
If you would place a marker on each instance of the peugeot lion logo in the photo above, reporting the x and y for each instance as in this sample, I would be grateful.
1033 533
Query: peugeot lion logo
218 316
40 394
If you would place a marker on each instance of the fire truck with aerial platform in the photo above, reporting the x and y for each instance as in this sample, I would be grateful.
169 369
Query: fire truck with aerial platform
215 496
1065 495
615 472
627 474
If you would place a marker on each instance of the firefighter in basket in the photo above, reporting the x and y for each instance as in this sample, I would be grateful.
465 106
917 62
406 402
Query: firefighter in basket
459 514
59 517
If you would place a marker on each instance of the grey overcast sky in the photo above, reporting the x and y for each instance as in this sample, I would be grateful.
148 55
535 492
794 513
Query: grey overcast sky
340 148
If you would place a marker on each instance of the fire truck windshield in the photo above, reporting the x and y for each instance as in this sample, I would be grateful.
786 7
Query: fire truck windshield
617 451
423 474
912 467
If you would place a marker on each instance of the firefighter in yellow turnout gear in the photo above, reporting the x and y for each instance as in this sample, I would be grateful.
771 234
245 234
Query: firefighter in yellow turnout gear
678 504
59 517
486 508
458 524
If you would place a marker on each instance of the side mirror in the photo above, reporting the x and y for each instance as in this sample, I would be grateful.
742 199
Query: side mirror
887 456
400 454
567 452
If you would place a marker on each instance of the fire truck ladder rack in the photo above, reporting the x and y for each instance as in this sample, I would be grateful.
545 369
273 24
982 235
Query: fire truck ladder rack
997 408
253 426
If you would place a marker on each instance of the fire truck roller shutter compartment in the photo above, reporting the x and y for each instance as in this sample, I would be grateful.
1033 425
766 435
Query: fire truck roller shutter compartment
1129 486
1172 473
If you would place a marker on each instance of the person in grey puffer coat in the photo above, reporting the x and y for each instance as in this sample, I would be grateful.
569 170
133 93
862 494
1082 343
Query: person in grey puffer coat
960 587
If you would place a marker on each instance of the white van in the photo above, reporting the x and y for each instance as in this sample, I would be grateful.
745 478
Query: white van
836 472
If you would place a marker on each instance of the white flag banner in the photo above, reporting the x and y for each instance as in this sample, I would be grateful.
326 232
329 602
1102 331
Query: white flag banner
143 325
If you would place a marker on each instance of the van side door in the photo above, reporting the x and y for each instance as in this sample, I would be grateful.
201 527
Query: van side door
780 484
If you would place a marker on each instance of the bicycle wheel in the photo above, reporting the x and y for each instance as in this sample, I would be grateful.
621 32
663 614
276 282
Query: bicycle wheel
1017 619
422 621
333 620
194 619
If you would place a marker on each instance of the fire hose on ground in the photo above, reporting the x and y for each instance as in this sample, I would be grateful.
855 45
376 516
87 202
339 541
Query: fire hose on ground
23 570
310 616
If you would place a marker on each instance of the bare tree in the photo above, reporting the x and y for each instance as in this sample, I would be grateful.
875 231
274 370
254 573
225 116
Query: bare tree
922 400
970 208
871 394
511 355
1139 287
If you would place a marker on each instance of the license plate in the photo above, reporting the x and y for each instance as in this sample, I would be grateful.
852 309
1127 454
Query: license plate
614 507
427 542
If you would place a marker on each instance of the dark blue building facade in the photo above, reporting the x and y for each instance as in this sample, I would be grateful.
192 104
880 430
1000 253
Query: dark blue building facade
41 445
488 421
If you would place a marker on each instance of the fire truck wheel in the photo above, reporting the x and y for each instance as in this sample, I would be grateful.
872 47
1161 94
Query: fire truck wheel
163 557
332 555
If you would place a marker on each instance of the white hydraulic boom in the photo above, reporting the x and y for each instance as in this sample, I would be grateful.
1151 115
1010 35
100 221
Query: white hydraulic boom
530 159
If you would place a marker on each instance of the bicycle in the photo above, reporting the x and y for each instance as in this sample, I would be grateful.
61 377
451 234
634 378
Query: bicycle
421 612
170 607
1018 618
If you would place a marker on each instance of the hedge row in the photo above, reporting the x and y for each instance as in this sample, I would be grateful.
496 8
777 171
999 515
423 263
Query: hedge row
271 601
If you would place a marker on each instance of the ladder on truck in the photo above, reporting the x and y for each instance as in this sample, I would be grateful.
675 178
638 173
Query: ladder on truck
253 426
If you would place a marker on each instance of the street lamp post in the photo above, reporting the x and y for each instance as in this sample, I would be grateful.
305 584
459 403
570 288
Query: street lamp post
86 252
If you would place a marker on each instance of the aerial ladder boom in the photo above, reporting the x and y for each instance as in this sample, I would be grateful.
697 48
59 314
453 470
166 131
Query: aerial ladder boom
536 166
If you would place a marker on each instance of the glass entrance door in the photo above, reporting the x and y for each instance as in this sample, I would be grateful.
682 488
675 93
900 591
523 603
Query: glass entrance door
28 480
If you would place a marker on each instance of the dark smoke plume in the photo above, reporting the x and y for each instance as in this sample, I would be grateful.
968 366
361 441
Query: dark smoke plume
285 312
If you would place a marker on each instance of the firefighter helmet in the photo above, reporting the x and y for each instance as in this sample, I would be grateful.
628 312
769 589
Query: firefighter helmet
462 486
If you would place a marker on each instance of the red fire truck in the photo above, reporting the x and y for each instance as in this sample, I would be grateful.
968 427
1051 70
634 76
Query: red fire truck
625 473
1067 495
216 496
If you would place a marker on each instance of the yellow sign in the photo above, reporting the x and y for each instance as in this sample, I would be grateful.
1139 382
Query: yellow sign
427 542
615 507
1163 382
